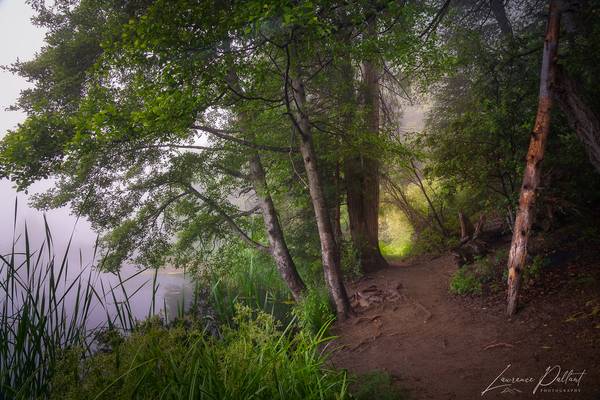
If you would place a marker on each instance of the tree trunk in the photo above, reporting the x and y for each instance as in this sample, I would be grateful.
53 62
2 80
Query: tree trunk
336 213
466 227
278 246
582 119
362 173
497 7
362 192
329 250
535 155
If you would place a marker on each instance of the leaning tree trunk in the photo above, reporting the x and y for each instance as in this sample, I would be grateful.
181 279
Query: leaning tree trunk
329 250
582 119
278 247
535 155
362 173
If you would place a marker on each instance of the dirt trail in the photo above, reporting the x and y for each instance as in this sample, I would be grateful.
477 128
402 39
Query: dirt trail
441 347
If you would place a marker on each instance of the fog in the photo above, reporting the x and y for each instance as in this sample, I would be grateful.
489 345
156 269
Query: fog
20 39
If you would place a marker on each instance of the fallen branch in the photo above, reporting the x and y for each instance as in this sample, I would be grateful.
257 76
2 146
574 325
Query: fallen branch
500 344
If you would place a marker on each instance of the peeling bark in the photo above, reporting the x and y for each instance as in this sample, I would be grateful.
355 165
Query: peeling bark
535 155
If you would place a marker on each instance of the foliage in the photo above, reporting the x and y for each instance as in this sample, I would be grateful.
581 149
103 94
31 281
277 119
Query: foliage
350 259
465 282
46 305
46 343
314 311
149 136
237 274
255 359
479 126
431 241
533 271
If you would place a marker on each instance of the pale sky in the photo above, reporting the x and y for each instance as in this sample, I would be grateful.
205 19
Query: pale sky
19 38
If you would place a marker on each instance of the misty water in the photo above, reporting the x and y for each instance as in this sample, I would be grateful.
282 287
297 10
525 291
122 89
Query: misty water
165 292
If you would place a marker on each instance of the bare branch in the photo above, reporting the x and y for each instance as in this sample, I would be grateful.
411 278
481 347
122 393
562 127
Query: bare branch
228 135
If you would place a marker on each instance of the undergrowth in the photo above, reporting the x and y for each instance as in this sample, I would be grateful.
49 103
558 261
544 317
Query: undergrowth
314 311
376 385
255 359
465 282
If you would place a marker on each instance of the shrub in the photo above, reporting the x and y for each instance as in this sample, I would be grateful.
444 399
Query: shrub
238 274
484 269
533 271
350 260
464 281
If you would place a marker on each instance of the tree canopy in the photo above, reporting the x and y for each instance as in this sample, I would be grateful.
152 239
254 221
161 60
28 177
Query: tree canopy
177 127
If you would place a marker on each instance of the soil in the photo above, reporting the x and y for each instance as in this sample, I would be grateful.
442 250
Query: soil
440 346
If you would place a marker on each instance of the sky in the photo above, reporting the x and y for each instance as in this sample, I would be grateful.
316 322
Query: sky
20 39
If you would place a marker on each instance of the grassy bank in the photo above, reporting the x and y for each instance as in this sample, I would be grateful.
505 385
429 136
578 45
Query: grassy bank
47 349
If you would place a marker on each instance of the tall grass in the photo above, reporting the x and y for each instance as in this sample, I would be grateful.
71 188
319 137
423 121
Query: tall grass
242 275
48 348
36 320
255 359
45 308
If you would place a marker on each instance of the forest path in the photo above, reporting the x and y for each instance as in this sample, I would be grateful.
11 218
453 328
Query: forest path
438 346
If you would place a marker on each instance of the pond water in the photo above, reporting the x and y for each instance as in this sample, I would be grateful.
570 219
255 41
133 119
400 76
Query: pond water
172 292
165 294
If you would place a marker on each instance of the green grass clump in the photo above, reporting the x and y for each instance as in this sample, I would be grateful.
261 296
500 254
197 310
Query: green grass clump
37 315
254 359
314 311
464 282
237 274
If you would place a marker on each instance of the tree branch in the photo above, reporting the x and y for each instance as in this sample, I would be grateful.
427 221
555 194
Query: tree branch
436 20
229 220
227 135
